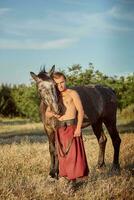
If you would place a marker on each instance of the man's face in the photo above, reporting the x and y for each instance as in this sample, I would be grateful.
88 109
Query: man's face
61 83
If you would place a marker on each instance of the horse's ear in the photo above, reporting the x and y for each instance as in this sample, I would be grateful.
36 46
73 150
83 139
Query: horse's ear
43 69
52 70
34 76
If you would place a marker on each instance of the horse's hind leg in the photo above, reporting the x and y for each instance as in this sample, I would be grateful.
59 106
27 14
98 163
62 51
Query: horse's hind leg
98 131
111 127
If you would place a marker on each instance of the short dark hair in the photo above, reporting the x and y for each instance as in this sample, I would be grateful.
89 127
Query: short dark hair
57 75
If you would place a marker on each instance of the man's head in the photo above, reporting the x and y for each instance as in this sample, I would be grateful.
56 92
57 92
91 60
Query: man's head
60 81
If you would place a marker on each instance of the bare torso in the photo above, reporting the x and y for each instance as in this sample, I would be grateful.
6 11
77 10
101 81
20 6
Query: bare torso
70 112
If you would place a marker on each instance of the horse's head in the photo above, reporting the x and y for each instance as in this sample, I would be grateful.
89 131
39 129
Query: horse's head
46 88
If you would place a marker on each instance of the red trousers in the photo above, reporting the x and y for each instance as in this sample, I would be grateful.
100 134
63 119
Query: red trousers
71 154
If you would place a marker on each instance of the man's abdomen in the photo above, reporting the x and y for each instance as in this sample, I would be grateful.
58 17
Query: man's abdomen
69 114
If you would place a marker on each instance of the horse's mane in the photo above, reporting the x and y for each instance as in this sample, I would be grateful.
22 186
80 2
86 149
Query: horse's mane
43 74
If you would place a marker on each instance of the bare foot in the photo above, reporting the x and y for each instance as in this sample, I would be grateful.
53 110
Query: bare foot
50 179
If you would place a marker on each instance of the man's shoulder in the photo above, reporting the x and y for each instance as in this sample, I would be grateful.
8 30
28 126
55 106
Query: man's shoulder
72 92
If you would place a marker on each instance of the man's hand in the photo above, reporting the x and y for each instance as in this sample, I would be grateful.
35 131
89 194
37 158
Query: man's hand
77 132
51 114
57 116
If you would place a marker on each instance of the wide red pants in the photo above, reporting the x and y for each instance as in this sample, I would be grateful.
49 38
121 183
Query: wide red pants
71 154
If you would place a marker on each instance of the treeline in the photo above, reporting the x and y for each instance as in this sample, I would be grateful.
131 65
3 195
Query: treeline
23 100
19 101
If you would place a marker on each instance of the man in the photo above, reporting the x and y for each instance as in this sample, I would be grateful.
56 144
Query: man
70 147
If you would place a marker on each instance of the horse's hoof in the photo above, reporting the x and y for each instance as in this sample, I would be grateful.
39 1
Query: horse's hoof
116 169
101 167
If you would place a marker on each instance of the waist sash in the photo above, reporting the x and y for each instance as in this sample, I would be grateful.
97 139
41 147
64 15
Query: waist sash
66 123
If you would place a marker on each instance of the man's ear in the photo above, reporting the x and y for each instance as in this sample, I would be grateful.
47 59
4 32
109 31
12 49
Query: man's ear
34 76
52 70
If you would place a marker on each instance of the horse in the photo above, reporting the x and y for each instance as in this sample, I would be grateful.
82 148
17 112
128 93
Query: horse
100 106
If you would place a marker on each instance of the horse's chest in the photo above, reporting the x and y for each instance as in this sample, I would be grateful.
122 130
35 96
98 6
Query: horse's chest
50 123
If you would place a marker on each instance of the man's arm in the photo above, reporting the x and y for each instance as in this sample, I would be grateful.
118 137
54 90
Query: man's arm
79 108
51 114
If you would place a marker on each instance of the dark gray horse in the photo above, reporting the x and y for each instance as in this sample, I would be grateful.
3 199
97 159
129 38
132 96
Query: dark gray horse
100 106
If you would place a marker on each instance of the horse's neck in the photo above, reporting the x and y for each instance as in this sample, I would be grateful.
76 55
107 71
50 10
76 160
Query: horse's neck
61 106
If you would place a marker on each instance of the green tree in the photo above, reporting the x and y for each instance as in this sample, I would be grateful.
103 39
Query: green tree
27 101
7 104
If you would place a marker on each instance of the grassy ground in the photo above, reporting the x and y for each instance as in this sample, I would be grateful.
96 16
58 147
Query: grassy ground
24 166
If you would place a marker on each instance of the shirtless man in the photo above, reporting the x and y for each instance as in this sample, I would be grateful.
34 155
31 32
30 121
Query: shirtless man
71 152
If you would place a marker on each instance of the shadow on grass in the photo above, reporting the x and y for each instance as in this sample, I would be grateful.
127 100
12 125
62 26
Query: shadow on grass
123 128
37 137
129 127
130 168
14 122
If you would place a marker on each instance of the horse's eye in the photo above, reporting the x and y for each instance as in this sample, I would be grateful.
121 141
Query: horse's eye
39 90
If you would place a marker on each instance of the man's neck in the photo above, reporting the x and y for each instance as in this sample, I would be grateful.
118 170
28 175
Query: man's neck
64 92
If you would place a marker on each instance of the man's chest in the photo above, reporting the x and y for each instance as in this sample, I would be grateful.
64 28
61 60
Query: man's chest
67 100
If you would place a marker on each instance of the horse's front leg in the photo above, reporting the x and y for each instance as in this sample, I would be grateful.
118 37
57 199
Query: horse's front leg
54 164
52 154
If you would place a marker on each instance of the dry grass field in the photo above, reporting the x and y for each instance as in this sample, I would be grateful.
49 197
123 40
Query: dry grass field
24 167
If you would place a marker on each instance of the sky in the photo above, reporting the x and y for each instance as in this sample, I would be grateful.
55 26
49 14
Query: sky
34 33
